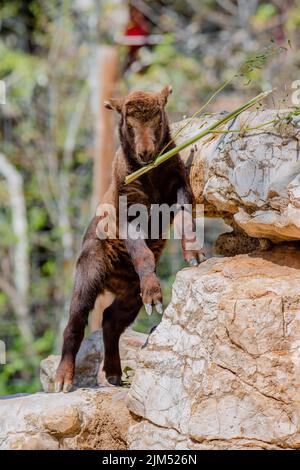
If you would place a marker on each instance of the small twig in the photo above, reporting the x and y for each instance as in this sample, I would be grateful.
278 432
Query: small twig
199 111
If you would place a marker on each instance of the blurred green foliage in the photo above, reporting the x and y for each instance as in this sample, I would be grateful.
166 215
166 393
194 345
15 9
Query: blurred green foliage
19 375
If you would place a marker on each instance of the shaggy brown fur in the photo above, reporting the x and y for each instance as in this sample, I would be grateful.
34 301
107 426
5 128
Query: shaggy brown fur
126 267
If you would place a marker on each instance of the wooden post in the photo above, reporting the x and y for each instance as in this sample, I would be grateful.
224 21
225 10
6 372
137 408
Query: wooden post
107 75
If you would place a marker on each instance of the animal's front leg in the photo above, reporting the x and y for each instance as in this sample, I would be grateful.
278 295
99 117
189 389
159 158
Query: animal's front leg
144 264
185 224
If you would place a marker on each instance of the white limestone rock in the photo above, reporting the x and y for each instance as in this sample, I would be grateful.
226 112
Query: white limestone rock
222 369
253 177
80 420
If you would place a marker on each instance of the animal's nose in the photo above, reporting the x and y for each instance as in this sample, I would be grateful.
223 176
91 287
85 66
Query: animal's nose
145 154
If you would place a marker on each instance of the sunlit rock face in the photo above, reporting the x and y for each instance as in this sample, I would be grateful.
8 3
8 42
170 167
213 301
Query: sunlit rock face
250 178
90 417
87 419
222 369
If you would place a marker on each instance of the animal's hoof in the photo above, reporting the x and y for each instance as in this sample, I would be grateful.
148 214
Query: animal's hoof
115 380
64 377
193 258
159 307
193 262
57 387
148 308
151 292
67 388
60 387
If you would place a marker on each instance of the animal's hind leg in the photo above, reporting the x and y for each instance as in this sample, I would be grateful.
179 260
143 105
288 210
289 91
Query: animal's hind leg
88 284
116 318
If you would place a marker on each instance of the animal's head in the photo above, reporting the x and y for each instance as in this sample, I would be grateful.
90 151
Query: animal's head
143 124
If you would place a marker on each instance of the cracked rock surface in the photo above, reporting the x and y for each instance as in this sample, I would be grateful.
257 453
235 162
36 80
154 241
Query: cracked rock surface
222 369
82 420
87 418
249 178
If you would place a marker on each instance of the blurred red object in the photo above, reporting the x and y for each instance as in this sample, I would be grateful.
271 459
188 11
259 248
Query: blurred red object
138 26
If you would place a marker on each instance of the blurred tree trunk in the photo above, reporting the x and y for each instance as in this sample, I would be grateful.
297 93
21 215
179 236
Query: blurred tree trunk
107 74
16 286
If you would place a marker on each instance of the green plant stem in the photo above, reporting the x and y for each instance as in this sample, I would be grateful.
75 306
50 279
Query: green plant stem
163 158
249 63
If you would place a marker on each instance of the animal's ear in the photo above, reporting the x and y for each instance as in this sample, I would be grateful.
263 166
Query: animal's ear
114 104
164 94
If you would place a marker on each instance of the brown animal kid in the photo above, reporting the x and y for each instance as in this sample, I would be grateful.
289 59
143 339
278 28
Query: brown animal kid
126 267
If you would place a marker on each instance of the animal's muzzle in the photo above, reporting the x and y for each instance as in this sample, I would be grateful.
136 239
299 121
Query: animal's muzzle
146 155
